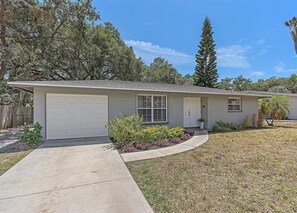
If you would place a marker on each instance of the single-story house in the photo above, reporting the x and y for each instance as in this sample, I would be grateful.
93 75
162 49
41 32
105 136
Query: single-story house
75 109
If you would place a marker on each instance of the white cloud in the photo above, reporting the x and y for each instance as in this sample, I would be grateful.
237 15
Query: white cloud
257 73
148 51
280 67
233 56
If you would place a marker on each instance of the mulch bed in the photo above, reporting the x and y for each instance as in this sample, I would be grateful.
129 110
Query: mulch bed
153 145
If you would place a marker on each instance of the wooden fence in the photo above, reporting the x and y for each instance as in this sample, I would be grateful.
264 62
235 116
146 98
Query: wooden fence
14 116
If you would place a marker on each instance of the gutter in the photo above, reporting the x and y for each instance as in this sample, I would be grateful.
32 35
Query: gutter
16 84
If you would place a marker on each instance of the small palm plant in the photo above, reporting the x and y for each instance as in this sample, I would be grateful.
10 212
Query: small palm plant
292 24
277 105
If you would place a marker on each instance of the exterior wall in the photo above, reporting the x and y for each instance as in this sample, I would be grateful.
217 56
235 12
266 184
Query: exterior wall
213 107
118 102
218 109
204 110
293 110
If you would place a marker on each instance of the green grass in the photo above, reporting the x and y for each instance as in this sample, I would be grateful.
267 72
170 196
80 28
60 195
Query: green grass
245 171
8 160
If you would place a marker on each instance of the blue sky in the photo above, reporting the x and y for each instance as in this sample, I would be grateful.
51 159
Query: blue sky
250 35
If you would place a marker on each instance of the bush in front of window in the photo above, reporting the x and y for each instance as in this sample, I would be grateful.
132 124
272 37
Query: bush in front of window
155 133
221 126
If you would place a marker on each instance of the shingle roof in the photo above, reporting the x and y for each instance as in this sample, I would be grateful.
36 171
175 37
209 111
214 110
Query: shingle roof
130 86
273 93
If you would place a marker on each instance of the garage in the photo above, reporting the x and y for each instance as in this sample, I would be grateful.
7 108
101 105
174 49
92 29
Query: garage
75 116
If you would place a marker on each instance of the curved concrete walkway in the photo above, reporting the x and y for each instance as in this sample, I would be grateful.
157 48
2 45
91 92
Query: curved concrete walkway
198 139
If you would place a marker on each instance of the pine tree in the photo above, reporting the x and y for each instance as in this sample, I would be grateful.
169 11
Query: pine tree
206 73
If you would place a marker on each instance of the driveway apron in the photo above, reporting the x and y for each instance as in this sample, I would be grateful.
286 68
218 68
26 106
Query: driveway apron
78 175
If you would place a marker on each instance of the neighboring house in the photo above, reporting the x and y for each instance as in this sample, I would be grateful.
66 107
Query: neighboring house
292 97
74 109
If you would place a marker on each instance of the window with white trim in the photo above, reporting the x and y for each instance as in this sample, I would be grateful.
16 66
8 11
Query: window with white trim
153 108
234 104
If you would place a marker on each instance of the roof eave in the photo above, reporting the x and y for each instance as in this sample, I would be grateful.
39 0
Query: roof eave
22 85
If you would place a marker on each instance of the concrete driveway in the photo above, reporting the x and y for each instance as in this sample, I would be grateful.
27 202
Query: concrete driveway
80 175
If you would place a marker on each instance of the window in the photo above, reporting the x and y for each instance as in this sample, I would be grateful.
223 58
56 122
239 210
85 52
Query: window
153 108
234 104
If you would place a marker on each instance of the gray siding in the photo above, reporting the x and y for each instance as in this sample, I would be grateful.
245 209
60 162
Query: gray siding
218 109
293 110
204 110
214 107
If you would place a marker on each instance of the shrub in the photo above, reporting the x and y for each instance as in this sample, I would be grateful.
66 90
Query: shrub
121 128
245 123
151 134
31 135
162 143
128 148
221 126
176 132
185 137
155 133
175 140
143 146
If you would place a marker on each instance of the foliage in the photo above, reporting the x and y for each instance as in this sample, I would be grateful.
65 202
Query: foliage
221 126
226 84
291 83
162 143
122 127
185 137
160 71
31 136
62 40
143 146
200 120
279 89
176 132
206 74
277 106
272 84
186 80
292 24
128 148
241 84
9 96
245 123
175 140
152 134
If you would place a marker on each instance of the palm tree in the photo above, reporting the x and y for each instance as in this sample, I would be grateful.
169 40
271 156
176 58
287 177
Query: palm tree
292 24
277 105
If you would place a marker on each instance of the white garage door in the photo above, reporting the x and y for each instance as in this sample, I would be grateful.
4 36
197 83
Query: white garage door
75 116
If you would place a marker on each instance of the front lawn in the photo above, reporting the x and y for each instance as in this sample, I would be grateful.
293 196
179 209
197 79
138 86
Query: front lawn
252 170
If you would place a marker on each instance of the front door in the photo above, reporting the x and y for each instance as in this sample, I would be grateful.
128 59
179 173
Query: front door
192 111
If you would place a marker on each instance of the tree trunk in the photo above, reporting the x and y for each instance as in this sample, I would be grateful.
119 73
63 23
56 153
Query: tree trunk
295 42
2 36
2 70
269 124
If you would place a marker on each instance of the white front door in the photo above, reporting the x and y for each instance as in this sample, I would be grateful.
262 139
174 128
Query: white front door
192 111
75 116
